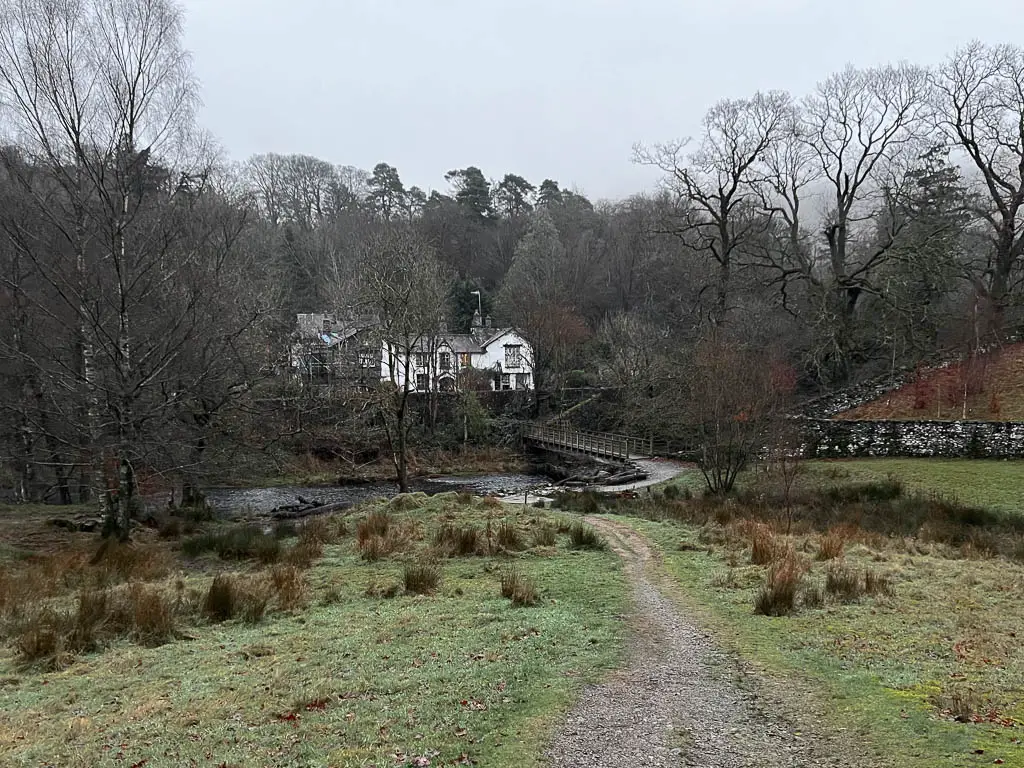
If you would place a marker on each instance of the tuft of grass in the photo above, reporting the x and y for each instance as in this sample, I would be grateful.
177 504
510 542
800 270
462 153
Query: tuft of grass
509 538
244 542
844 583
876 583
778 596
584 537
421 578
221 599
458 542
831 546
289 585
545 536
376 524
517 588
763 547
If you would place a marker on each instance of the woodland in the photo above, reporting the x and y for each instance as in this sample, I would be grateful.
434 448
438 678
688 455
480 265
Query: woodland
149 285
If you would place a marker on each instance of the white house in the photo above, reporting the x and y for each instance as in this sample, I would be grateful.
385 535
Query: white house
445 361
326 349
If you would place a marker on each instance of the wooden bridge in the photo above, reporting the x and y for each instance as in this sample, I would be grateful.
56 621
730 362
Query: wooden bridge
561 437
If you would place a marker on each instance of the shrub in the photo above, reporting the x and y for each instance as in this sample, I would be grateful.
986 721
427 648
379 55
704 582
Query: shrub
509 537
545 536
843 582
290 586
458 542
421 579
831 546
373 548
220 602
671 492
584 537
517 588
778 596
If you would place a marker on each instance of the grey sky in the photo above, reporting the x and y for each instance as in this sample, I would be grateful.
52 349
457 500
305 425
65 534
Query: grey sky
543 88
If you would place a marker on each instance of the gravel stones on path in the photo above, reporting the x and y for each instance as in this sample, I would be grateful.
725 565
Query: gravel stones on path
680 701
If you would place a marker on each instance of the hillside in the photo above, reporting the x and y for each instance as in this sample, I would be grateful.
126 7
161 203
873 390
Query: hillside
992 385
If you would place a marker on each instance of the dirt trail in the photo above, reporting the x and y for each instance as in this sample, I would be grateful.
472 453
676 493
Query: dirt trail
680 701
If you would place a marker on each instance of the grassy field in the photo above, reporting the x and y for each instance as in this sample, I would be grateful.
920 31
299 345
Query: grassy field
903 612
988 483
330 657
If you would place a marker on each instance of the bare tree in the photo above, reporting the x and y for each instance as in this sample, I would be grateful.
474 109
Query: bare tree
863 128
980 95
101 96
716 214
399 280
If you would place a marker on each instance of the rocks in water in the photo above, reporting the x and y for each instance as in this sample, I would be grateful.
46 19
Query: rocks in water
305 508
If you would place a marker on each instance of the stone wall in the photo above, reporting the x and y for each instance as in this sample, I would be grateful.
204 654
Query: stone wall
827 438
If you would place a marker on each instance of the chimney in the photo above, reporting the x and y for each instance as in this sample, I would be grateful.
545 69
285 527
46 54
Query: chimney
487 322
477 321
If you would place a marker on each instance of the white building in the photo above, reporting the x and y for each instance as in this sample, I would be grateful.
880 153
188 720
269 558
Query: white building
447 362
326 349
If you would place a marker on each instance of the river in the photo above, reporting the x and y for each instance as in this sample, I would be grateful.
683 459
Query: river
241 502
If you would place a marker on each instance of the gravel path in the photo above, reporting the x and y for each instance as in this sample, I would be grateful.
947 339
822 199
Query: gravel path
680 701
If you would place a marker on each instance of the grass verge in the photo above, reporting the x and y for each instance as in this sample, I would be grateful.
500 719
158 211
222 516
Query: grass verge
355 674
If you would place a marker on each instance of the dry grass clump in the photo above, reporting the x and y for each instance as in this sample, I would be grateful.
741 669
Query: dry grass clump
844 583
831 546
242 542
509 538
117 562
377 523
221 598
778 596
876 583
290 586
421 578
53 636
458 542
545 536
518 589
306 551
584 537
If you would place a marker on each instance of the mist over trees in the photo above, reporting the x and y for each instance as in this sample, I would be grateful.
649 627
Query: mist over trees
148 287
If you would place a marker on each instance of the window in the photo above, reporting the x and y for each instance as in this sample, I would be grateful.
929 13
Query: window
445 361
506 381
421 359
522 381
513 356
422 382
465 360
366 359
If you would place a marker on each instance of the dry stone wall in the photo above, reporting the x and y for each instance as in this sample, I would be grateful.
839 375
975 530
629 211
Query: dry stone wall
828 438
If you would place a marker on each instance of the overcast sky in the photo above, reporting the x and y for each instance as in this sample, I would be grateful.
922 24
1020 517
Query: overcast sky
544 88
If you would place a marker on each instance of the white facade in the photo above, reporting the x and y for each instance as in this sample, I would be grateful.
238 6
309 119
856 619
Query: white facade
438 362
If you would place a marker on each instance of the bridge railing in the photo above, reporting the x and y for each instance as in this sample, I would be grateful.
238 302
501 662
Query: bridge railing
596 443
